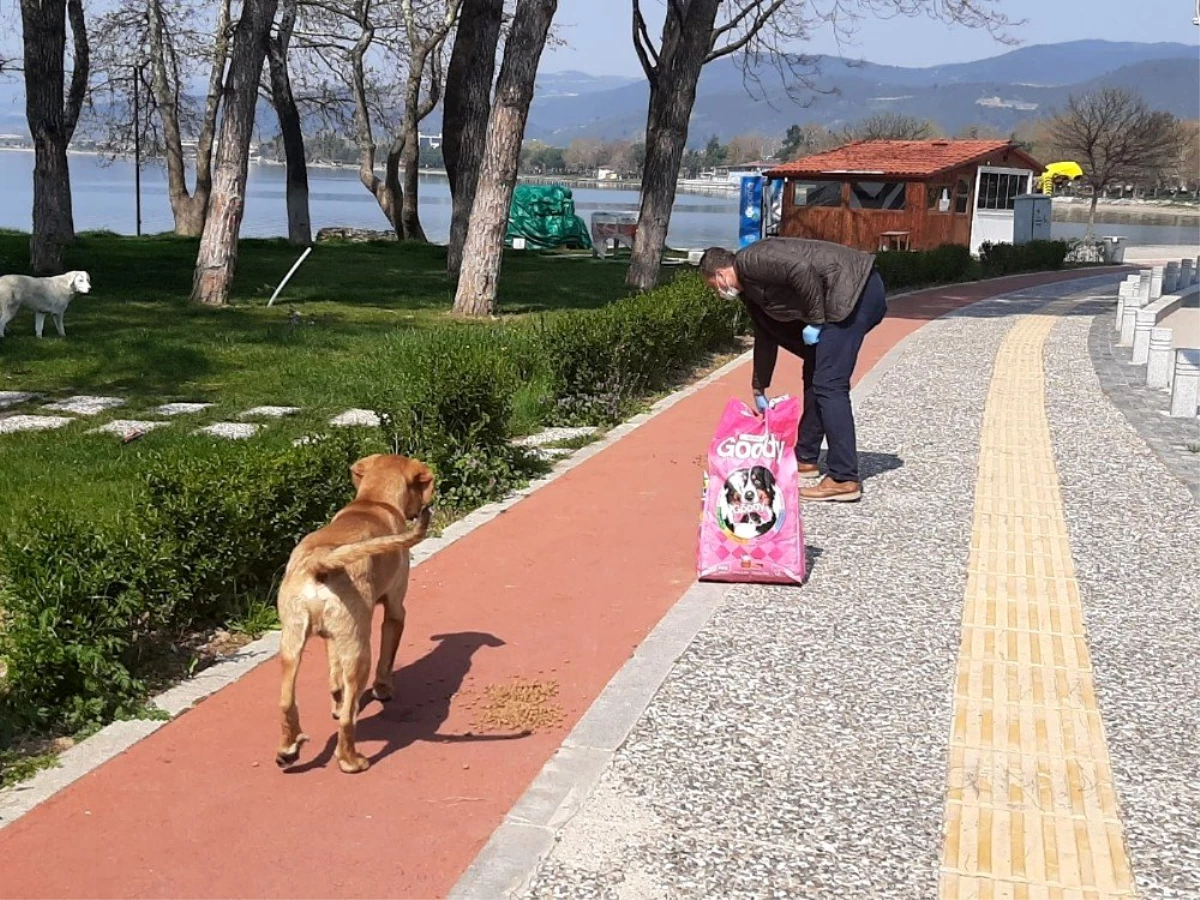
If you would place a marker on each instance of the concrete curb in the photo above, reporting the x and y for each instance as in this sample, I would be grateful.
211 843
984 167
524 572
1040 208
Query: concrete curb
116 738
510 859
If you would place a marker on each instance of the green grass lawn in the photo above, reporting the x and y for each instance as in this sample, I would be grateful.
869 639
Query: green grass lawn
137 336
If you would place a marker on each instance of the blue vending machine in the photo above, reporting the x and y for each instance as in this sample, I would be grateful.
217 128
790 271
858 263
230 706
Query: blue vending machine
750 210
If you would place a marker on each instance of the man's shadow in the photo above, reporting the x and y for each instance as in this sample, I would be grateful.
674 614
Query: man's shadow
872 465
424 691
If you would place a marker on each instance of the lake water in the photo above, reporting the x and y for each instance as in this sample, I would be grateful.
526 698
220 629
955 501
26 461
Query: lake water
104 199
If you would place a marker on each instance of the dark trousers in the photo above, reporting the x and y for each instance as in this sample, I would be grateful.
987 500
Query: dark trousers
828 366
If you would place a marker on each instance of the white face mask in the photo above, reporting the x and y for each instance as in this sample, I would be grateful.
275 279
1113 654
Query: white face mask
725 292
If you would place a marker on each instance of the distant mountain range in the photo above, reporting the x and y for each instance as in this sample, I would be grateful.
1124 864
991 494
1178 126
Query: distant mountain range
1001 92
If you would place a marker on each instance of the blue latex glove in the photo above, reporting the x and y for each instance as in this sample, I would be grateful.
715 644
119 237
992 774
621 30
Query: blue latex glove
811 334
761 403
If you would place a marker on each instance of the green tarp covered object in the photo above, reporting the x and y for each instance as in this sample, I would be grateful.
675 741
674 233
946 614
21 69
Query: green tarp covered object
545 216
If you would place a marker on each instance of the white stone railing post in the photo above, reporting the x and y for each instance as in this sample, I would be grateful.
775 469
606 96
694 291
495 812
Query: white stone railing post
1156 282
1185 391
1158 366
1185 274
1128 325
1143 324
1126 296
1171 278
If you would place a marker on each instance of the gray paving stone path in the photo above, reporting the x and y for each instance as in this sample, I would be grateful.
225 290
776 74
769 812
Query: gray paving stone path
1176 441
798 748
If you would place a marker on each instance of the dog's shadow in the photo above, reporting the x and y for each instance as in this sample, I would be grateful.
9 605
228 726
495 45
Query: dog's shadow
424 690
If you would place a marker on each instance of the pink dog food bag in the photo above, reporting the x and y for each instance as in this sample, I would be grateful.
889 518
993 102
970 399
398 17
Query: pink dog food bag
751 529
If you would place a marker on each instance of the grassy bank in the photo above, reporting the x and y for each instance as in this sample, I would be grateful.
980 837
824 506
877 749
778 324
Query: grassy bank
136 336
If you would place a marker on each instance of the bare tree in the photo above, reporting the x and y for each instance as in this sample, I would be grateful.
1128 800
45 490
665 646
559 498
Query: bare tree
805 140
379 50
165 45
465 110
476 295
583 155
217 259
745 148
697 32
426 32
890 126
1114 136
52 119
291 133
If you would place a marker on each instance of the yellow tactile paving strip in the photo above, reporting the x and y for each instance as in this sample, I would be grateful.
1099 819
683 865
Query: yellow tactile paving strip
1030 807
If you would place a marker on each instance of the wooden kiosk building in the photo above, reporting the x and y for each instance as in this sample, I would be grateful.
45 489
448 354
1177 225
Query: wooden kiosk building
906 195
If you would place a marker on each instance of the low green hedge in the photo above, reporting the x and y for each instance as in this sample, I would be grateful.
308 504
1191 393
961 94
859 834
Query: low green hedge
92 611
89 610
902 270
996 260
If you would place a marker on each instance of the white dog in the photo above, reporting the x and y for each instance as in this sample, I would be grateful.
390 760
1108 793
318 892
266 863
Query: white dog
43 295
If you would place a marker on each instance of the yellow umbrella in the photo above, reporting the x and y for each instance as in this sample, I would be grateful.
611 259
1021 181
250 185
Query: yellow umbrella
1069 170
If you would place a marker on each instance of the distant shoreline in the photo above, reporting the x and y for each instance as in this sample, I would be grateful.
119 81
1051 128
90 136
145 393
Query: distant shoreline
1077 205
1134 207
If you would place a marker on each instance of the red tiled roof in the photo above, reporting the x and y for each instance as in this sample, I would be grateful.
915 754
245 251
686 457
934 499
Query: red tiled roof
905 159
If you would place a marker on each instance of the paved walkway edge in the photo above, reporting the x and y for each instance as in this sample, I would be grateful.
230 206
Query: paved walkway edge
116 738
511 857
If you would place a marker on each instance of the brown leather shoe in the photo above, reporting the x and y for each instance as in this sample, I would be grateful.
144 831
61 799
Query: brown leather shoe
807 469
833 491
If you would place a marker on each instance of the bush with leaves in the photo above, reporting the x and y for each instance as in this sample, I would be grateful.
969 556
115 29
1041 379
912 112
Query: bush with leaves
86 605
448 401
602 363
902 270
1000 259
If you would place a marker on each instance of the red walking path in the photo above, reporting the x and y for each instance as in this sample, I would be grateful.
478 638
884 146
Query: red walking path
562 587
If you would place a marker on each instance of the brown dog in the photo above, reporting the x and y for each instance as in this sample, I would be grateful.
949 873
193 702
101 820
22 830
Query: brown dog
335 577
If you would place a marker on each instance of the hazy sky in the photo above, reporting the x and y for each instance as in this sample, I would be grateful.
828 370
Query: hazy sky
598 32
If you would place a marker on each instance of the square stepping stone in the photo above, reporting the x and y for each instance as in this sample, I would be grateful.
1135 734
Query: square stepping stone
231 431
12 398
32 423
554 435
353 417
269 412
126 427
551 454
85 405
181 409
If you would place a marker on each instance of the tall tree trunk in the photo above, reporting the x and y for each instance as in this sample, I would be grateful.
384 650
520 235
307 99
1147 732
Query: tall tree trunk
392 189
484 246
299 219
410 213
188 208
197 209
217 258
1090 235
52 121
410 153
383 190
685 46
163 69
465 110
